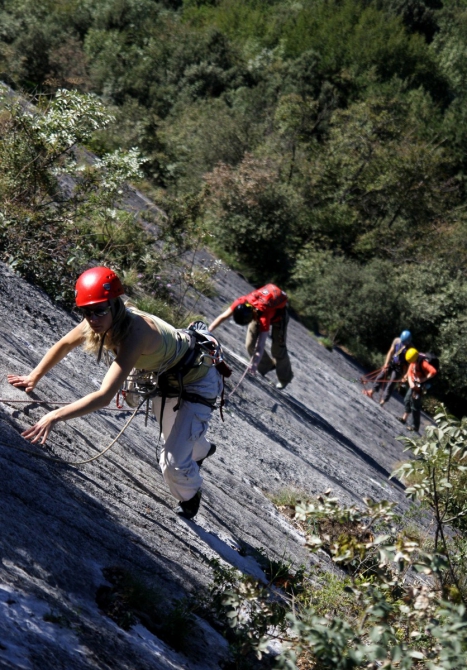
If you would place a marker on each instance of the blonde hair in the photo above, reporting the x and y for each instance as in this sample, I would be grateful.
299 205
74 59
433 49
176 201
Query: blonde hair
121 323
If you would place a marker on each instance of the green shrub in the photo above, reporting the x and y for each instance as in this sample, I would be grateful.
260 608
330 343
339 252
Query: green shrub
347 299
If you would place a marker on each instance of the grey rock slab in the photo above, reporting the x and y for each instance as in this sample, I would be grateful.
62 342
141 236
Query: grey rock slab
62 525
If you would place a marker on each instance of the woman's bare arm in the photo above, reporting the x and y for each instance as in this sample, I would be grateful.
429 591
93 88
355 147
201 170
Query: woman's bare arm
53 356
130 350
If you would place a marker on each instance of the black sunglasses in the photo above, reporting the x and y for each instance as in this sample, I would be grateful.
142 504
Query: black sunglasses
96 313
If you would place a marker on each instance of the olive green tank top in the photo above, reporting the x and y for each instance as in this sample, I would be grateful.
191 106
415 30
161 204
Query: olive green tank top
174 347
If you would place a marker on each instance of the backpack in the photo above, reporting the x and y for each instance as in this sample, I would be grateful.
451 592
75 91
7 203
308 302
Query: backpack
270 297
209 346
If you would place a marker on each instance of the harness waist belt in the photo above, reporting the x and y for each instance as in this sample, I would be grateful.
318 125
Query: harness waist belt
195 397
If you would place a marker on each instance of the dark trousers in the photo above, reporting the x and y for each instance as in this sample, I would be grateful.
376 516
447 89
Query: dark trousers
413 405
280 357
394 373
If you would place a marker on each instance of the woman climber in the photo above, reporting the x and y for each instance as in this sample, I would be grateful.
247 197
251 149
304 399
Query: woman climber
144 342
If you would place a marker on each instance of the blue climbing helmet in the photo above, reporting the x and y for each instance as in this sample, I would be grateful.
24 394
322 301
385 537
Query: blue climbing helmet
406 336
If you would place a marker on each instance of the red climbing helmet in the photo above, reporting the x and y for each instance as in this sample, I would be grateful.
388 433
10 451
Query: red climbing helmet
97 285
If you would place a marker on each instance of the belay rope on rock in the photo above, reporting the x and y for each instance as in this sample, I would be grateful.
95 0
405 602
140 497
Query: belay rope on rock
234 390
61 460
370 378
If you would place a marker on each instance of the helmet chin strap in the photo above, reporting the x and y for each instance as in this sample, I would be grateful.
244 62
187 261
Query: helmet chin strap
101 346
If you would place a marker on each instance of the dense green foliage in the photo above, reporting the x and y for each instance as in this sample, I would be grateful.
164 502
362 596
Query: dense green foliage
398 594
63 210
324 141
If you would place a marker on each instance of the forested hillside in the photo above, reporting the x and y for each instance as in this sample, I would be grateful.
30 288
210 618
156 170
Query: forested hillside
320 144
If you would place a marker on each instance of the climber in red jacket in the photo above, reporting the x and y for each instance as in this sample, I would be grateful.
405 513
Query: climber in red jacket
262 309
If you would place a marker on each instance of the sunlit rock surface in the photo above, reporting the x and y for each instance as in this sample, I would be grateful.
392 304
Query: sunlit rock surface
61 526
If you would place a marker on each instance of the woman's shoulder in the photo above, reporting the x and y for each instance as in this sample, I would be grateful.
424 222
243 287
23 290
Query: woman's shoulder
143 327
77 334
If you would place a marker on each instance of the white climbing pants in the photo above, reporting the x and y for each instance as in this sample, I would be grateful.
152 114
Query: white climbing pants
184 432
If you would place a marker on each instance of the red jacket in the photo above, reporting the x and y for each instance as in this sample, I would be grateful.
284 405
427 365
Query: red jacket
268 300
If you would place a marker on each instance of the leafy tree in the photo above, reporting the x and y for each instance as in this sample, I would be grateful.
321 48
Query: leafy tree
50 197
255 216
417 15
435 304
378 182
348 300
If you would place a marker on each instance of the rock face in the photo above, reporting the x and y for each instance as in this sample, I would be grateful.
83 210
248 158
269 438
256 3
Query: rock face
62 526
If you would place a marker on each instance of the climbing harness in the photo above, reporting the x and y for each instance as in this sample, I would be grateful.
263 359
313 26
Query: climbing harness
169 383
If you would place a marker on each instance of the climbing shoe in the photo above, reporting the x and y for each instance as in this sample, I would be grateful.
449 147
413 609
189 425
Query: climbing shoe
189 508
281 385
212 450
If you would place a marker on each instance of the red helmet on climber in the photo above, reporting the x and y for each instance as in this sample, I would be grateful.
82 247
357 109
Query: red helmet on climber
97 285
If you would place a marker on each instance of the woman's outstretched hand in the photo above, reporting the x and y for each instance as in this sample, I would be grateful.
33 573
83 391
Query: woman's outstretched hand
27 382
40 431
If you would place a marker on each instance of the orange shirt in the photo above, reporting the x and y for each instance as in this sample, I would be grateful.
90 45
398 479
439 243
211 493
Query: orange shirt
420 369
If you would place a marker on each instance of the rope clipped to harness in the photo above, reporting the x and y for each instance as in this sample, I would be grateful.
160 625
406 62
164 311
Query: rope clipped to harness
169 383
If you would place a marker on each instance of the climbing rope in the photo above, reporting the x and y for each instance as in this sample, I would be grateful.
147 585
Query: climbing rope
241 378
31 401
88 460
370 378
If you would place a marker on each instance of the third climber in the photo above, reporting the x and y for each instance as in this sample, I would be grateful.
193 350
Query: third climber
394 367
